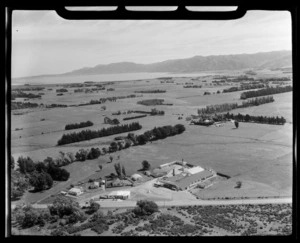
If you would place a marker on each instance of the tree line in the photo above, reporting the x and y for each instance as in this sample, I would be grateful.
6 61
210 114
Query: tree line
244 87
151 91
256 119
153 102
78 125
89 134
266 91
257 101
211 109
133 117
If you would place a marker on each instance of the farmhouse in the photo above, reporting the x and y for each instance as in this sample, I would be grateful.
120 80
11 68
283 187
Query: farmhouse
75 191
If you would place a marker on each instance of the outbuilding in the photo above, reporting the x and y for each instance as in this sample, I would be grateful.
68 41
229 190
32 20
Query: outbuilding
119 194
136 177
75 191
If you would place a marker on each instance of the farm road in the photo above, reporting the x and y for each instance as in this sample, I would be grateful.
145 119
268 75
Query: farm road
132 204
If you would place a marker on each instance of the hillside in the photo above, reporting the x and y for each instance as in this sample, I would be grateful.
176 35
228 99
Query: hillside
275 59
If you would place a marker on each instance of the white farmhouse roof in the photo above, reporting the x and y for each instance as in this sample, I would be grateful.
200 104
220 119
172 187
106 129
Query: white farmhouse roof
76 190
119 193
195 170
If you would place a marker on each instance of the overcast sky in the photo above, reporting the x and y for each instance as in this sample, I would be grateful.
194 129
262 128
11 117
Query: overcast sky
44 43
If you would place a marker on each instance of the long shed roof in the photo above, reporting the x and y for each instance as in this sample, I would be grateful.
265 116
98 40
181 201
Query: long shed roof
184 182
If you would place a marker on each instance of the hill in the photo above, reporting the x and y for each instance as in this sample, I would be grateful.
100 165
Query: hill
275 59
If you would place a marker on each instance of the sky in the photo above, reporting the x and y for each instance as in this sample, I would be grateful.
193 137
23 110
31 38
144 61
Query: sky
45 43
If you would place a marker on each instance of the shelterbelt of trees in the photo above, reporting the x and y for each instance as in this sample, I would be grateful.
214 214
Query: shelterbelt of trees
266 91
152 102
151 91
78 125
89 134
243 87
211 109
256 119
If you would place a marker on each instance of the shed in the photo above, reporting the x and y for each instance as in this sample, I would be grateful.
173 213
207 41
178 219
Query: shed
136 177
119 194
75 191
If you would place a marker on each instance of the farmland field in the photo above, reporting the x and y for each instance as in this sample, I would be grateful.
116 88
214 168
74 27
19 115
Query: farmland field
259 155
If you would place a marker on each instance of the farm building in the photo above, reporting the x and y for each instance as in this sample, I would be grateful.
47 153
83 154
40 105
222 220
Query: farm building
186 181
136 177
119 195
75 191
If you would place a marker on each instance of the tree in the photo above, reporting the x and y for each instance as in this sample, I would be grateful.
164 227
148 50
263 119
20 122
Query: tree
180 128
26 165
94 207
118 169
141 139
113 147
19 183
64 206
145 207
40 181
100 167
104 150
236 123
12 162
123 170
146 165
111 158
40 167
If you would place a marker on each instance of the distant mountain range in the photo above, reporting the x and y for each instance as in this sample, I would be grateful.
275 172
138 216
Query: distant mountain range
261 60
274 59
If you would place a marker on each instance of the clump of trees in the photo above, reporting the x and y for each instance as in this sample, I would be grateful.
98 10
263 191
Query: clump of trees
39 175
20 94
61 90
120 171
56 106
146 165
266 91
243 87
23 105
145 208
256 119
89 134
83 155
152 102
67 209
78 125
